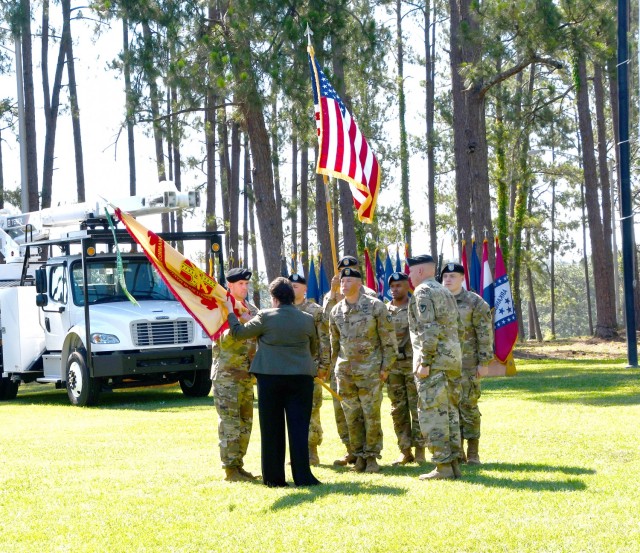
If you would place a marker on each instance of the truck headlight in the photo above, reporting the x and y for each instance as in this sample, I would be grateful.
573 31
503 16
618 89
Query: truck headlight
101 338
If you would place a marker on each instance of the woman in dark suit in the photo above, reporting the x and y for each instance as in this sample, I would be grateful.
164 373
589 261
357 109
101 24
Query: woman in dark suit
284 368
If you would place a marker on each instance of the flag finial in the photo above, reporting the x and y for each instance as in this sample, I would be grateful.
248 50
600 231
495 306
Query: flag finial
309 34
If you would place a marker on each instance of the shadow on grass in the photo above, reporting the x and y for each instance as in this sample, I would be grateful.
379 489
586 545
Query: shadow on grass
577 383
311 493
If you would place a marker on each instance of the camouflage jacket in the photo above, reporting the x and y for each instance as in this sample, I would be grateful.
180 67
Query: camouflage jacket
231 357
400 317
362 337
323 357
435 327
477 325
328 303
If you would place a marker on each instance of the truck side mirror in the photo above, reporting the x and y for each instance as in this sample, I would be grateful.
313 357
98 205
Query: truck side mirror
42 300
41 280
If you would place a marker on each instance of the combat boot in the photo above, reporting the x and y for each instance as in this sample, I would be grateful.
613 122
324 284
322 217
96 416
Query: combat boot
406 458
372 465
456 468
473 458
420 458
361 464
348 459
234 475
463 456
246 473
314 460
443 471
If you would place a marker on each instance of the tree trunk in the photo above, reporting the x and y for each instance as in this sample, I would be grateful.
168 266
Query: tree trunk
254 244
234 195
245 219
73 101
1 174
275 156
210 163
605 303
552 284
130 119
322 224
51 117
304 207
177 162
293 211
154 99
430 70
404 148
225 176
29 106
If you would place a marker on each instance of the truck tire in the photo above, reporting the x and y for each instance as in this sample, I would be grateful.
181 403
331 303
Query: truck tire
196 383
82 389
8 389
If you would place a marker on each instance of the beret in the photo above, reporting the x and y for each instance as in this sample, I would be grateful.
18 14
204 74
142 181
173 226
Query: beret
452 267
349 272
238 273
347 261
295 277
419 259
397 277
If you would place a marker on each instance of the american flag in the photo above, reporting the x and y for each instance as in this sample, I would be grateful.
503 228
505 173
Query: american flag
344 152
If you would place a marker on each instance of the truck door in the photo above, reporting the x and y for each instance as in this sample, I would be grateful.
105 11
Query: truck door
56 314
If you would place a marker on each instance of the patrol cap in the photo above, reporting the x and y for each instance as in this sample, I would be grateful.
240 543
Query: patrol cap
238 273
349 272
419 259
347 261
452 267
295 277
397 277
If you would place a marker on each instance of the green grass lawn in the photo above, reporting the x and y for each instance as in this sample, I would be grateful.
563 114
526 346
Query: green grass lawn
141 472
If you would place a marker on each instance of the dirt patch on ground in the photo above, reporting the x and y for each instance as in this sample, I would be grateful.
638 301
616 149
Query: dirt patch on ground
573 348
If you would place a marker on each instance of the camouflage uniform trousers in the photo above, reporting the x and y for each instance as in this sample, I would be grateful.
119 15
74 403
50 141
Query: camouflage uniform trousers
469 412
438 403
401 389
361 401
341 421
234 403
315 427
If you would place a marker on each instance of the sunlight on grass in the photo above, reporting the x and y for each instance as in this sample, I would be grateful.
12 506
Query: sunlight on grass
141 472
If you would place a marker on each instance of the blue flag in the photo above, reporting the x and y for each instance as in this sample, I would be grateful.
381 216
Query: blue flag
379 276
388 271
398 266
324 286
313 292
475 272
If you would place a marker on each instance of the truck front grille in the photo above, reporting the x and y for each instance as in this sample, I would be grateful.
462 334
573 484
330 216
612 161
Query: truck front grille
162 333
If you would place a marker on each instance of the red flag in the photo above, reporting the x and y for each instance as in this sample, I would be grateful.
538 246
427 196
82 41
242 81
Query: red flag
200 294
370 276
465 264
407 269
486 280
344 152
506 322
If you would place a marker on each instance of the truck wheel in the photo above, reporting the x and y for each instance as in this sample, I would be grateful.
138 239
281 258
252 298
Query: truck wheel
8 389
82 390
196 383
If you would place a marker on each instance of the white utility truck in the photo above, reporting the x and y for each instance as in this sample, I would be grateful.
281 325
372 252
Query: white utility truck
65 319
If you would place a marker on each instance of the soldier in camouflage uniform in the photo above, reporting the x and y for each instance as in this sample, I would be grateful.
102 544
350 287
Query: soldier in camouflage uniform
328 303
401 385
477 353
233 386
434 327
323 360
364 350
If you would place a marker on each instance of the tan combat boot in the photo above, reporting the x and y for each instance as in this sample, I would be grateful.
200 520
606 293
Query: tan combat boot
456 468
404 459
361 464
372 465
420 458
473 458
246 473
443 471
234 475
314 460
348 459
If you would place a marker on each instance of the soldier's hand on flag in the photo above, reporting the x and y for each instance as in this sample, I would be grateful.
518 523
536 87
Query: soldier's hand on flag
482 371
322 374
384 375
335 284
422 371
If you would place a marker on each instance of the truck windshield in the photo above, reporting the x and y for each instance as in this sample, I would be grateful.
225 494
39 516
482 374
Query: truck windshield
103 286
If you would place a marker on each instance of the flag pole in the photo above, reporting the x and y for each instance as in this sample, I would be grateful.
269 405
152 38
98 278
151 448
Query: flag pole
325 178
